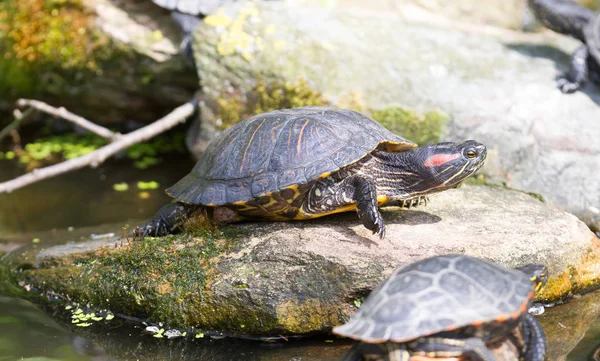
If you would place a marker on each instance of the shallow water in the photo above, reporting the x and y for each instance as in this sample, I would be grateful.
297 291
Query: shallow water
84 202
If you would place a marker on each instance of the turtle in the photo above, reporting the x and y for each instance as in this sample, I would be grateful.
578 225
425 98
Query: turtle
308 162
447 306
568 17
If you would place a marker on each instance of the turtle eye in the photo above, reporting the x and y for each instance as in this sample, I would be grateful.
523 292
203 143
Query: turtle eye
471 154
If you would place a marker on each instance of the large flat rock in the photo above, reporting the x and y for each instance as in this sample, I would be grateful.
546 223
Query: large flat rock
497 85
301 277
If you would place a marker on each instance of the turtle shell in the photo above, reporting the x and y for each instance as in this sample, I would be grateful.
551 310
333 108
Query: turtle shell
271 151
438 294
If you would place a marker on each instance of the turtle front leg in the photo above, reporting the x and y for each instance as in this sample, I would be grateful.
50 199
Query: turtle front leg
365 195
354 353
534 338
168 220
473 347
331 194
578 71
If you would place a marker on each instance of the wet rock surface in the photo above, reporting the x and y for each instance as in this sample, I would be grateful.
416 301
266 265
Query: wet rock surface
305 277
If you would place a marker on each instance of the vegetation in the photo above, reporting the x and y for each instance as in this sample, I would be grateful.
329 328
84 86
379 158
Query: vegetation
267 97
422 129
56 148
47 46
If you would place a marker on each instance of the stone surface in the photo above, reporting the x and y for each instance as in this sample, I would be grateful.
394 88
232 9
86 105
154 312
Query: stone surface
303 277
566 325
497 85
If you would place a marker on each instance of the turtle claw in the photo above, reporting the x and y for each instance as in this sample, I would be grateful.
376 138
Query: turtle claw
567 86
154 228
379 227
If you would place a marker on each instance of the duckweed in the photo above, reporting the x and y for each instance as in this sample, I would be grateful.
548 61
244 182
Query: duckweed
47 150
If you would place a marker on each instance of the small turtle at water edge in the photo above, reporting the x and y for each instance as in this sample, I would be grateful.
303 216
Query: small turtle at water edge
447 306
309 162
568 17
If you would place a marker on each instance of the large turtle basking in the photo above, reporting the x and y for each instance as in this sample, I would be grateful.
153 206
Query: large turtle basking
448 306
568 17
309 162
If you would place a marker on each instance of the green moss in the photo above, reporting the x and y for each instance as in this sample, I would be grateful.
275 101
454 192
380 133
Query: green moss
266 97
422 129
310 314
41 39
162 278
575 280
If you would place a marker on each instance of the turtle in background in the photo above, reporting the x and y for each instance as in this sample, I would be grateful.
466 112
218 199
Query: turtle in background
309 162
570 18
448 306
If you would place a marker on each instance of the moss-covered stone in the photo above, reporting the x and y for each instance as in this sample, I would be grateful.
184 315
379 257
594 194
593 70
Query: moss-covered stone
232 108
422 129
148 277
55 51
576 279
313 314
49 39
282 278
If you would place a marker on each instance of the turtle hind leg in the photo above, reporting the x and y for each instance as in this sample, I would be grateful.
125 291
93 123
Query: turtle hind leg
578 71
473 347
168 220
535 340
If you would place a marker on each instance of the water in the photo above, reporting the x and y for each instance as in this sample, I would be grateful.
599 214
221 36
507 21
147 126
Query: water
84 202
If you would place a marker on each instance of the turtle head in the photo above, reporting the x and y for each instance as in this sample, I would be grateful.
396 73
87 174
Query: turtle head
446 165
538 273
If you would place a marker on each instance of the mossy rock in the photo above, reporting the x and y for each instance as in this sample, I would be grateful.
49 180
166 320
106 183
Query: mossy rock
289 278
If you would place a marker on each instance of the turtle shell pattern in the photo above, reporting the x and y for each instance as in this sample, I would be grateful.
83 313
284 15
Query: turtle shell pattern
271 152
438 294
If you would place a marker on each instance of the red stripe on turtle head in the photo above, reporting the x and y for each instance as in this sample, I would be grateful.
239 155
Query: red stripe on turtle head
439 159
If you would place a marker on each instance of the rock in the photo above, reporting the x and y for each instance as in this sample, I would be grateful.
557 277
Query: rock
566 325
305 277
498 86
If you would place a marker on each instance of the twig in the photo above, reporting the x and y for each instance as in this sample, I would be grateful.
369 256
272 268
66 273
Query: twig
98 156
19 117
71 117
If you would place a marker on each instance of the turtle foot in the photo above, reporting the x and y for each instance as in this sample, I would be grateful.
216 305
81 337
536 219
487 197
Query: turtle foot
567 86
168 220
154 228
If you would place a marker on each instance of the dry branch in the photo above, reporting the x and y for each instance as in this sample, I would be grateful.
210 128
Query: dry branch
71 117
98 156
19 118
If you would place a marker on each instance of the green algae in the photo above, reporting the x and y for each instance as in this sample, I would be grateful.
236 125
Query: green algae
425 128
